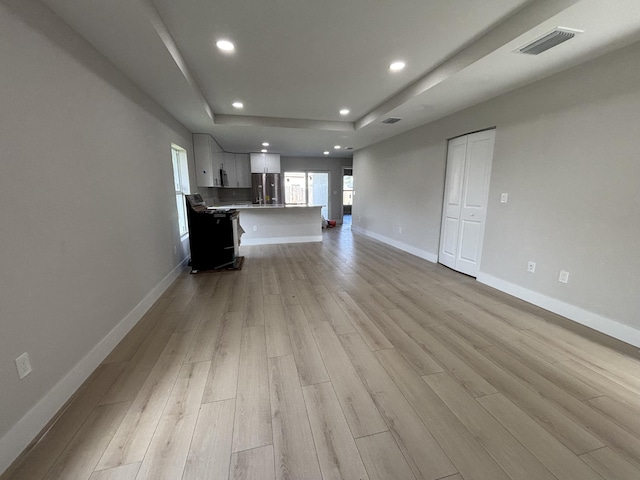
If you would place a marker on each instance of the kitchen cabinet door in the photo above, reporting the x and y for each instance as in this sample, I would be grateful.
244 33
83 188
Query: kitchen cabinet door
272 162
230 169
257 163
208 157
203 160
218 161
265 163
243 170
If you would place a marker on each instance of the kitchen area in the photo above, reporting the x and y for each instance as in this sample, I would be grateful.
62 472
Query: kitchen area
253 185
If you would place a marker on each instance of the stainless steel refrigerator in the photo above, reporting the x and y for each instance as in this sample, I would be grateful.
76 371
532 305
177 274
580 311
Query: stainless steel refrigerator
266 188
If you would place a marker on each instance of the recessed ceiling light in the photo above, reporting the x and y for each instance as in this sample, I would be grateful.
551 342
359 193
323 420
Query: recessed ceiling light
225 45
265 144
344 111
326 153
397 66
337 147
238 105
264 150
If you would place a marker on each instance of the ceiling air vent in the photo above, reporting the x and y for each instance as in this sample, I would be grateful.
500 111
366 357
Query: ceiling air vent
391 120
550 40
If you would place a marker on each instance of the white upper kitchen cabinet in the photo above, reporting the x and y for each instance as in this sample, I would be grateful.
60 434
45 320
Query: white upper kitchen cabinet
265 163
257 163
243 170
208 159
229 166
272 162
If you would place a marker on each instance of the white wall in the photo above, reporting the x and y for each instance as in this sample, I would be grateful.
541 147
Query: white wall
322 164
567 153
399 184
88 219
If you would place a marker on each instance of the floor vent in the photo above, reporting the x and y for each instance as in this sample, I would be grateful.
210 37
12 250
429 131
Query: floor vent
391 120
550 40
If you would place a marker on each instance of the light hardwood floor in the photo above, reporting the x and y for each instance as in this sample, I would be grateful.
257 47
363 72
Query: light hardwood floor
348 359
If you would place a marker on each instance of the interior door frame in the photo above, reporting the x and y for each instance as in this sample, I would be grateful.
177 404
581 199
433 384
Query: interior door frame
444 193
344 168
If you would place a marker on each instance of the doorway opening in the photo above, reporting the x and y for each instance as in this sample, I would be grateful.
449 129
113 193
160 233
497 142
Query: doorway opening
347 195
307 188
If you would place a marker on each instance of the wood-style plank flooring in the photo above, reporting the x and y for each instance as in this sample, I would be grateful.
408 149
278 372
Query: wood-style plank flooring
348 359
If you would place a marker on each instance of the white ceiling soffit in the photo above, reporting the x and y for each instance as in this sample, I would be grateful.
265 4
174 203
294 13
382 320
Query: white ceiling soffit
522 21
124 32
299 61
605 30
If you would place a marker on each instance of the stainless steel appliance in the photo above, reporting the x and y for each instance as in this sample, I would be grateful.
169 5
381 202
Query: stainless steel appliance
266 188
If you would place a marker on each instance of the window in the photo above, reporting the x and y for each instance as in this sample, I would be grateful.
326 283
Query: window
295 188
181 185
347 190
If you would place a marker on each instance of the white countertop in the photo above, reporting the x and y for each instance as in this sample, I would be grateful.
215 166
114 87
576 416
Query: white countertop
243 206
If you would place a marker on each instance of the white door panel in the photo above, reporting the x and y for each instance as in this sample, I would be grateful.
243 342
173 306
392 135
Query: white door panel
469 239
474 194
449 247
453 202
455 171
469 161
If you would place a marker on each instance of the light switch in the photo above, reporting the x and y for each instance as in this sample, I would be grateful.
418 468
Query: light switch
504 197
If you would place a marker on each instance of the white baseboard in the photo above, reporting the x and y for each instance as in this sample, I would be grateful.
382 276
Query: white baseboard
602 324
31 424
592 320
431 257
277 240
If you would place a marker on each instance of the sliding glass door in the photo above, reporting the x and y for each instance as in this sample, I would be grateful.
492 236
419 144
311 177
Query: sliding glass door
307 188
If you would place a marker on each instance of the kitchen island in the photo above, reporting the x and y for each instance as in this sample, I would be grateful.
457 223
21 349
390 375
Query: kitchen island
273 224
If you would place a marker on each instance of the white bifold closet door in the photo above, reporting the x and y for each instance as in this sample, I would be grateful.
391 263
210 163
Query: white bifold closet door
465 201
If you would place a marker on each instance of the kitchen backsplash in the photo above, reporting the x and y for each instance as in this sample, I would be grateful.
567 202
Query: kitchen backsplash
209 195
224 196
233 195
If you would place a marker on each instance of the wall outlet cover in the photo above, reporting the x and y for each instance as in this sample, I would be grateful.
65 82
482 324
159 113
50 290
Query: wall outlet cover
504 198
563 277
531 267
23 365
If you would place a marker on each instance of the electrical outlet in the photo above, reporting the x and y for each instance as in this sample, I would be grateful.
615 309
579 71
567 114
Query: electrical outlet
400 230
255 228
563 277
23 364
531 267
504 197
